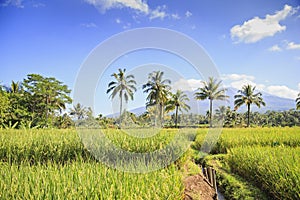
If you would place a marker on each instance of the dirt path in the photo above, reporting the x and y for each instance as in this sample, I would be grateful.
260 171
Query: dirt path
197 188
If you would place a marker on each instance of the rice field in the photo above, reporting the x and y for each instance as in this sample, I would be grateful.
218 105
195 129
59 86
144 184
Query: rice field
54 164
269 158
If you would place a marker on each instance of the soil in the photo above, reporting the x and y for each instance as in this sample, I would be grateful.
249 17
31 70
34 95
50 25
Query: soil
197 188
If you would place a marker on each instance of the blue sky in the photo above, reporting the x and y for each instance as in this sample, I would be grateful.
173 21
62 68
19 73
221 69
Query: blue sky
252 41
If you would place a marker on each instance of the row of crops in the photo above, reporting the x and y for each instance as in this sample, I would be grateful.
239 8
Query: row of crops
269 158
53 164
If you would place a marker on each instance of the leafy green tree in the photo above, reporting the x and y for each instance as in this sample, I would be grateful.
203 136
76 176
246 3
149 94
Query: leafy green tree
63 121
178 102
298 102
248 96
4 106
158 90
211 90
124 86
45 95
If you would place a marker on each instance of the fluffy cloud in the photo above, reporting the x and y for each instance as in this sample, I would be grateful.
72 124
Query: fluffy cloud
140 6
238 80
188 14
275 48
103 5
282 91
158 13
187 84
256 29
16 3
292 45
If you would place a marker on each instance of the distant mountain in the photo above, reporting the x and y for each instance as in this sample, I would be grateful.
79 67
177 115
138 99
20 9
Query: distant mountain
273 103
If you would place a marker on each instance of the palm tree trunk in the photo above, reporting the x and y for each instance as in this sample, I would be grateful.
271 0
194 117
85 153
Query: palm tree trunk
121 95
210 113
161 114
157 114
248 122
176 116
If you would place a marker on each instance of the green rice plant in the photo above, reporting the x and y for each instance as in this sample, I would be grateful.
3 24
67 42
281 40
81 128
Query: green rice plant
243 137
79 180
274 169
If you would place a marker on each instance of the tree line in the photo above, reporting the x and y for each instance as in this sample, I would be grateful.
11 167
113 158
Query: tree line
40 102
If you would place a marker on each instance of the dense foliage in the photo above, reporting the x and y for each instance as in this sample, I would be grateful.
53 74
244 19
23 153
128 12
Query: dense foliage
40 102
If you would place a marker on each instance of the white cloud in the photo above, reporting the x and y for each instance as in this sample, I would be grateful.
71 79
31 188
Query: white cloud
256 29
103 5
188 14
275 48
292 45
187 84
282 91
158 13
235 77
175 16
16 3
140 6
299 86
118 21
89 25
238 80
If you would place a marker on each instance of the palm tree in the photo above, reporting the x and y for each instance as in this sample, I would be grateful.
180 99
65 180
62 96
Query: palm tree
221 112
158 89
79 111
15 87
248 97
124 85
298 102
177 102
211 90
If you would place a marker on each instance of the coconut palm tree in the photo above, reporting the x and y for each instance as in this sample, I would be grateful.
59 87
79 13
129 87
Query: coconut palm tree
178 102
79 111
158 89
248 96
124 86
211 90
298 102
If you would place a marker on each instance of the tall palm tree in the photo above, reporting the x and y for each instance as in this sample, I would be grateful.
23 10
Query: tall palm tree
124 86
298 102
248 97
158 89
79 111
211 90
178 102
